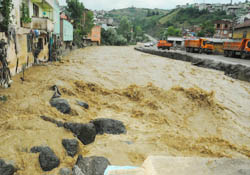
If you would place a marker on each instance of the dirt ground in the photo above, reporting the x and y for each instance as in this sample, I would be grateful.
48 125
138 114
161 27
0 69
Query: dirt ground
169 108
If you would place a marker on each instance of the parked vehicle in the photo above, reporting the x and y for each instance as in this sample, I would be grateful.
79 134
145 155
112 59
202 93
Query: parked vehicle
200 46
147 45
163 44
241 48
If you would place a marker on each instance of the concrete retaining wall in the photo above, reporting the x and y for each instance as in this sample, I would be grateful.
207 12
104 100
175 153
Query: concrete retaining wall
237 71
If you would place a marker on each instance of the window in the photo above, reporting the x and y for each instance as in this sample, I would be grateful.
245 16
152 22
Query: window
245 34
35 10
218 26
225 32
248 44
226 26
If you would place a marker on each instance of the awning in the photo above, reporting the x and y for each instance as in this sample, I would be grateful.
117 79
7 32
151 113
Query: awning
45 4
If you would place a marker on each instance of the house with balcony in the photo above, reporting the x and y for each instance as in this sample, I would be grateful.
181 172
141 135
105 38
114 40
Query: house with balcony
30 37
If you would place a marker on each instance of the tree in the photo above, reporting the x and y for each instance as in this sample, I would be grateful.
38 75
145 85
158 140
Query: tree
5 9
89 23
138 31
207 29
75 10
110 37
171 31
125 28
148 13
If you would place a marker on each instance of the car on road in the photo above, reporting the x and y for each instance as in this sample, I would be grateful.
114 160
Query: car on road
147 44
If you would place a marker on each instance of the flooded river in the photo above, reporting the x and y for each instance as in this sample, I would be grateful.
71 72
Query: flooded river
169 108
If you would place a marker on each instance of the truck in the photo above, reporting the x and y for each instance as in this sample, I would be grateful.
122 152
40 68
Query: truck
200 46
237 48
163 44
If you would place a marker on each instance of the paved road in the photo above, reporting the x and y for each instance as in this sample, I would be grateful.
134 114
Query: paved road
214 57
151 38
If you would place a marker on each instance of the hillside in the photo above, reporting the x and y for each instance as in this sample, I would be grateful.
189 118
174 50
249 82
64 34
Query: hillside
133 13
191 16
155 21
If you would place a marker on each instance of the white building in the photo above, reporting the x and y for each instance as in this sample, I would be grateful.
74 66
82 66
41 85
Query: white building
242 19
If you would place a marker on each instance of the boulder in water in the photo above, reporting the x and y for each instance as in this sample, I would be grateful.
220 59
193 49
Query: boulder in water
47 158
86 133
92 165
6 169
71 146
61 105
109 126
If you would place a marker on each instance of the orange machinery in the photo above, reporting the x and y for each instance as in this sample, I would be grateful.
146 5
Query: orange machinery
200 45
163 44
241 48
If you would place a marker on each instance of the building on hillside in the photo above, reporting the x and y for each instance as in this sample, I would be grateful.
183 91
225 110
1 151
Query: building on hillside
242 30
216 7
95 35
243 18
234 9
223 29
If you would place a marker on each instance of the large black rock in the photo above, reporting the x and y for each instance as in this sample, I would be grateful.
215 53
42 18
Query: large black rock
83 104
47 158
71 146
92 165
109 126
61 105
6 169
86 133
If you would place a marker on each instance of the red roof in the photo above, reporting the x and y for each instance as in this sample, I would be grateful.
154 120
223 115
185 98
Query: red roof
245 24
63 16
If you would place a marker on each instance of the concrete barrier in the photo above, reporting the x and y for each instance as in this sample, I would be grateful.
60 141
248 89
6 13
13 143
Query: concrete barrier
161 165
237 71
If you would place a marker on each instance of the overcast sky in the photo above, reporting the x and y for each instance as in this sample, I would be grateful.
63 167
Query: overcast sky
163 4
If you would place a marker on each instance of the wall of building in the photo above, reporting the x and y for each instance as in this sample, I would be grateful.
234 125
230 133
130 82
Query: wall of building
96 34
48 13
18 55
66 30
56 18
238 33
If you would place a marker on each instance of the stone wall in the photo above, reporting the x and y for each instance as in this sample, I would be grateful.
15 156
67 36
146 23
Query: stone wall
236 71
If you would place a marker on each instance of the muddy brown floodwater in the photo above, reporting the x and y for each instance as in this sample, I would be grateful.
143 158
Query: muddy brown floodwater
169 108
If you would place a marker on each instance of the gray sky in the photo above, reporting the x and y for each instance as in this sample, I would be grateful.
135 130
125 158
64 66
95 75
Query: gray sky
163 4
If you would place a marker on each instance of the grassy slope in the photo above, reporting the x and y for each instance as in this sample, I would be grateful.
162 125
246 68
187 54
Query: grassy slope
168 17
155 25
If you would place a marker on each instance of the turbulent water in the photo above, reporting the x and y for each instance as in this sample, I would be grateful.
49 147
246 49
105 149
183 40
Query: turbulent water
169 108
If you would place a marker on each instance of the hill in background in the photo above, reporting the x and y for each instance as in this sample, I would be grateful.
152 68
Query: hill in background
155 21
